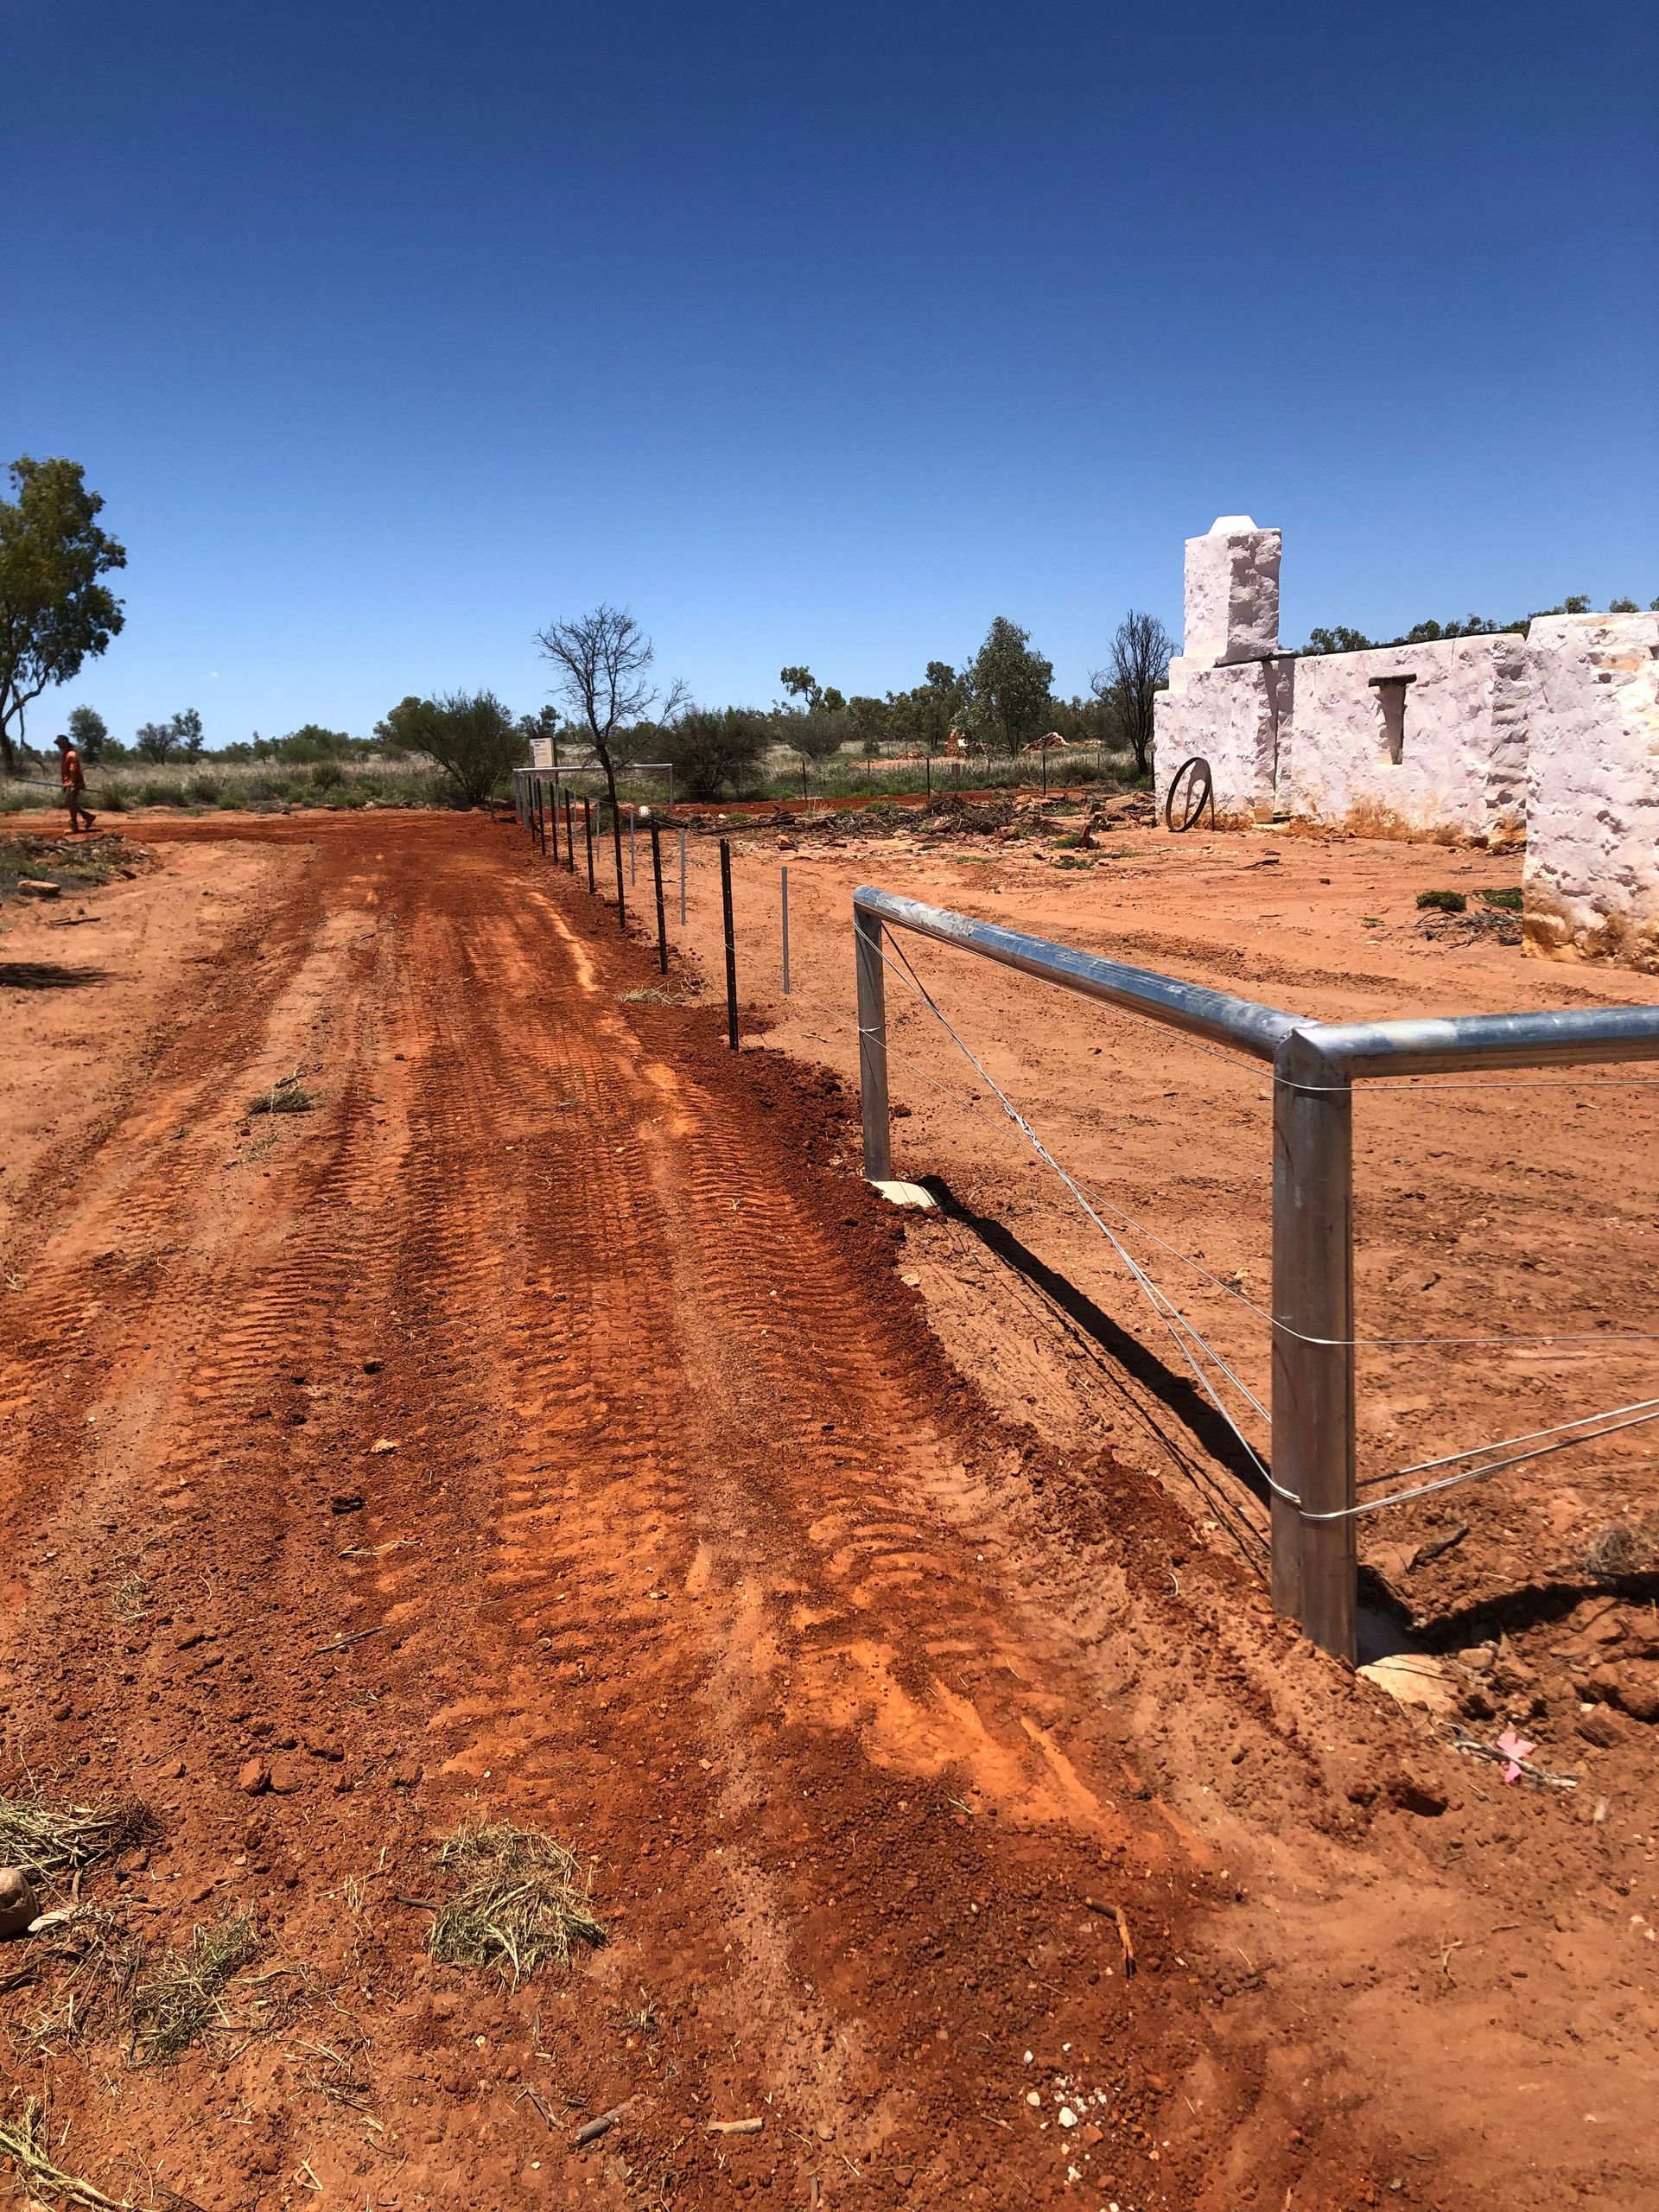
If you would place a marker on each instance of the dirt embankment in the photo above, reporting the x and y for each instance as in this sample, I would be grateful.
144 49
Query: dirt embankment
542 1427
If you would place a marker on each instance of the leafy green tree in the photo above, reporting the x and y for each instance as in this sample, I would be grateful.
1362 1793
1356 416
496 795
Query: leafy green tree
923 718
1008 686
800 684
713 747
469 736
397 731
54 614
179 739
89 733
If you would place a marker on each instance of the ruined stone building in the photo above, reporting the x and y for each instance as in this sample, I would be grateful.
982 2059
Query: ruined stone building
1551 739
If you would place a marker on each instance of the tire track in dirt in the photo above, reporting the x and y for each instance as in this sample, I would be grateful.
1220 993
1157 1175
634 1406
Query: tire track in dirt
679 1553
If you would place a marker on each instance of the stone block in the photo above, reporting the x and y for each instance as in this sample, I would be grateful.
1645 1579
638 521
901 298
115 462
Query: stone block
1232 594
1592 879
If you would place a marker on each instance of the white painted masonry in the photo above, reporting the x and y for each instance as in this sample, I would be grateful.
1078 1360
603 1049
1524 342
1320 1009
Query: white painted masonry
1592 879
1411 741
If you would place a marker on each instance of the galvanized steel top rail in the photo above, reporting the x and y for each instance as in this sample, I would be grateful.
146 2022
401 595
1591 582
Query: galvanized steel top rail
1551 1038
1190 1006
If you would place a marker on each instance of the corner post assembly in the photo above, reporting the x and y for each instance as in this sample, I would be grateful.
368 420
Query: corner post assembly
1314 1574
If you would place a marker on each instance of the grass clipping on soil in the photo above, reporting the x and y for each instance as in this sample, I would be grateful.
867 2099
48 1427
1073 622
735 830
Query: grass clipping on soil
49 1841
180 2001
521 1902
24 2142
288 1095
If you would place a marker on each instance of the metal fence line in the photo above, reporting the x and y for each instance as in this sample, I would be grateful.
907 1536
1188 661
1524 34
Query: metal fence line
1315 1565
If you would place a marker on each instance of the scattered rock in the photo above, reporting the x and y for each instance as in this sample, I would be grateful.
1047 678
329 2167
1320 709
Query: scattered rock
29 887
373 1366
349 1501
383 1444
1413 1678
405 1774
286 1778
253 1777
1602 1727
18 1904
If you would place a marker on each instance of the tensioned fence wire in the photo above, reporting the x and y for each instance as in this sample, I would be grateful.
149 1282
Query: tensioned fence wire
1607 1422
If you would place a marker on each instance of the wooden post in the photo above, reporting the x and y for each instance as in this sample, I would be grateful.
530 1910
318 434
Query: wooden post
731 943
872 1048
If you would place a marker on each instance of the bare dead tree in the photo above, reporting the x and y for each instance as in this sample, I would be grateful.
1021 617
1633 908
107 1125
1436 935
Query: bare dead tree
603 663
1140 669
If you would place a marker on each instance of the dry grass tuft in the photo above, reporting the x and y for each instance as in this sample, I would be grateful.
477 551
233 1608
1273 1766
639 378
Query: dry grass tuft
180 2001
1619 1548
49 1841
521 1902
288 1095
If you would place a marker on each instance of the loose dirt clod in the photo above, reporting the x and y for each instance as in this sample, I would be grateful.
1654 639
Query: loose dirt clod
180 2001
520 1905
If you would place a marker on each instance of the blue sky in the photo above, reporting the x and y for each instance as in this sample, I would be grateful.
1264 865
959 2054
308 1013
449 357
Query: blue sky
391 333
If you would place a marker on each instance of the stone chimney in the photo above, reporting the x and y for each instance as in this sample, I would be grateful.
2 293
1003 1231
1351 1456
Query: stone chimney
1232 594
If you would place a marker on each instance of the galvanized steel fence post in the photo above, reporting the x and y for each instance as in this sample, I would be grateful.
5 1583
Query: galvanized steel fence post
783 874
682 879
616 842
1315 1562
588 831
569 834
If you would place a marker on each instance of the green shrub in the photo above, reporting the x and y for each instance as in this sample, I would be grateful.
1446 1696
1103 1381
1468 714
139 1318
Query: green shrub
1507 902
1444 902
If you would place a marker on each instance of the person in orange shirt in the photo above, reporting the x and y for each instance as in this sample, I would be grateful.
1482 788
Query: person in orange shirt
74 785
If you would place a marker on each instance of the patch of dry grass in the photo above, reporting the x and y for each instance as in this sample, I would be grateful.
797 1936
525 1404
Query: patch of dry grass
520 1905
182 2000
50 1841
103 1958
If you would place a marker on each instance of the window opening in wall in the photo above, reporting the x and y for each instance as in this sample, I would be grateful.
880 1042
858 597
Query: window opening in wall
1391 700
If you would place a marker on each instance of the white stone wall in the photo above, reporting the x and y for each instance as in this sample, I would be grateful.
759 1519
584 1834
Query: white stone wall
1227 715
1460 775
1592 880
1231 593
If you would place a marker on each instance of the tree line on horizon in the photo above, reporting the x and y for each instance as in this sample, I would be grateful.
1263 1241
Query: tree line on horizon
57 613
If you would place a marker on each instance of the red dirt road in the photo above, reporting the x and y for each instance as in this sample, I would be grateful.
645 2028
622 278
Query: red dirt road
695 1550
